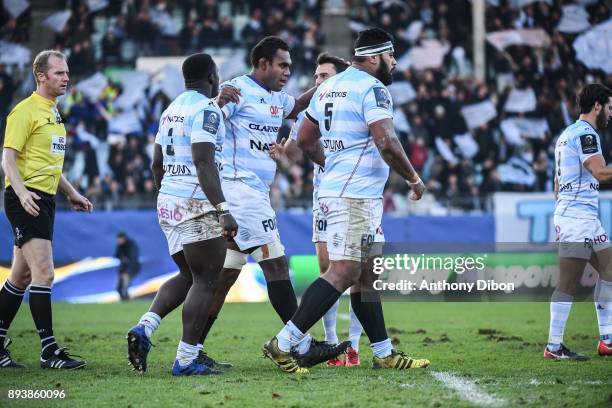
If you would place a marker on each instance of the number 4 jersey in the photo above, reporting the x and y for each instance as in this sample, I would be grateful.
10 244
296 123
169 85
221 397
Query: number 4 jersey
578 189
190 118
343 107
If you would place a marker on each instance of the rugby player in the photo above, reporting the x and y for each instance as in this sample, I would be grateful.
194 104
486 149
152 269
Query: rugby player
254 107
354 110
580 168
192 213
327 66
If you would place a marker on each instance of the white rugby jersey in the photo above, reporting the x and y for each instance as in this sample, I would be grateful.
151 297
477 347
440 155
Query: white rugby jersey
252 125
190 118
344 106
578 190
317 170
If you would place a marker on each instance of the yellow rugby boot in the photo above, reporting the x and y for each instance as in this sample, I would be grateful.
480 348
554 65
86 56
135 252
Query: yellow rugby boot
283 360
399 361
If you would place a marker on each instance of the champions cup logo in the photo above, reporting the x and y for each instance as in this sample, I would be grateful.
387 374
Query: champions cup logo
212 119
274 110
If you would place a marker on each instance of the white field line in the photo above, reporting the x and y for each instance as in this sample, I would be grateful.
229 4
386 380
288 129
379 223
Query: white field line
467 390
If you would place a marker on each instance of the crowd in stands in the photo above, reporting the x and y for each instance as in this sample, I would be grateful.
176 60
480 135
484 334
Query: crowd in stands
461 164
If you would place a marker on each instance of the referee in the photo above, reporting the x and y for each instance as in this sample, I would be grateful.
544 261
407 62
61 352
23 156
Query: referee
33 157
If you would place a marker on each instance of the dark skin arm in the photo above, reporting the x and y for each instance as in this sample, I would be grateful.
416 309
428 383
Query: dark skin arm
301 103
157 167
208 175
392 152
308 141
203 155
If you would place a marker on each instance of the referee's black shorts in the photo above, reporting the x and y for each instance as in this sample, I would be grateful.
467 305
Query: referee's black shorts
25 226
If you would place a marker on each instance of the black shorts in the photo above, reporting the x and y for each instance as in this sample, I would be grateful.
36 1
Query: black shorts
24 226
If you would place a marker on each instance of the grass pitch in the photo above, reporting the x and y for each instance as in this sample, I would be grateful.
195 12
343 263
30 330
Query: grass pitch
482 354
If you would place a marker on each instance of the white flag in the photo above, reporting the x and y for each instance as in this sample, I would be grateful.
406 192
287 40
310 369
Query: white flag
125 123
400 121
429 55
467 145
91 87
172 84
532 37
520 101
165 22
57 21
517 129
96 5
478 114
401 92
445 151
16 7
594 48
13 53
575 19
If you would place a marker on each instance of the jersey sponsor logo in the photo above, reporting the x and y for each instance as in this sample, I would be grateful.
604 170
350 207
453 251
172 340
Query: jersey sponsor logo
333 94
211 122
274 110
588 144
382 98
172 119
58 144
166 214
333 145
263 128
321 225
269 224
594 186
565 187
261 146
599 239
177 169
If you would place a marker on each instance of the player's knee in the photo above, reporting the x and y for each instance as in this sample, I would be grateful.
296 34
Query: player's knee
227 278
42 273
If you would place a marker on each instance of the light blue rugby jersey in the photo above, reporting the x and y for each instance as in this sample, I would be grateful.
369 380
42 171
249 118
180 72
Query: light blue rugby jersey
190 118
252 125
578 190
317 171
344 106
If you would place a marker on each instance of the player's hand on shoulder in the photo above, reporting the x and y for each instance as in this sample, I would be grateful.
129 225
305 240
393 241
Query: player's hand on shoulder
229 225
228 94
418 189
80 203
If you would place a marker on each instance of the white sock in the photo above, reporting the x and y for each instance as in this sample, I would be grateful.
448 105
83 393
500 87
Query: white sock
186 353
560 307
289 336
329 324
355 329
151 322
603 307
382 348
304 344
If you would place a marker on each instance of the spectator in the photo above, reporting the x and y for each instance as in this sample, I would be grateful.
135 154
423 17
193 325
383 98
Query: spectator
129 264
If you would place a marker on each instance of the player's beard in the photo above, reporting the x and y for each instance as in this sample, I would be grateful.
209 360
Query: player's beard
383 73
602 120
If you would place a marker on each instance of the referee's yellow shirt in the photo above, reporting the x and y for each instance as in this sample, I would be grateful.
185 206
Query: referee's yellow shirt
34 128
